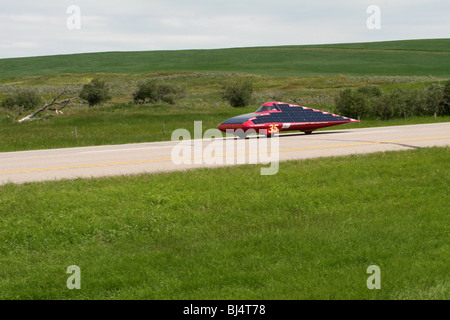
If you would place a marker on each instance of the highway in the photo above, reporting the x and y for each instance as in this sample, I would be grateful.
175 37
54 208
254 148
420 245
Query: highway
111 160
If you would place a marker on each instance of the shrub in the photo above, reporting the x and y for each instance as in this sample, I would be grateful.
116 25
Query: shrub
275 95
370 91
413 102
152 91
351 103
24 99
170 93
383 108
238 93
95 92
371 102
146 91
399 99
434 97
445 104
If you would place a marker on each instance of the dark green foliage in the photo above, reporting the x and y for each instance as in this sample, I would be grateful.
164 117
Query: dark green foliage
385 107
238 92
146 92
445 105
170 93
24 99
370 91
95 92
434 97
371 103
152 91
351 103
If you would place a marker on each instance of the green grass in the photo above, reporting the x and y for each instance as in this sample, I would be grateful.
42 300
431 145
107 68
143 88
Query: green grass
308 75
117 125
134 124
215 233
405 58
308 232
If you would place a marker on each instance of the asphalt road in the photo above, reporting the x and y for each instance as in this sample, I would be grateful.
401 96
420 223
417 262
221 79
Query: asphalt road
70 163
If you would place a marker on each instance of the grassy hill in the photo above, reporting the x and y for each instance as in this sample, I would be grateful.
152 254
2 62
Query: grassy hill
307 75
405 58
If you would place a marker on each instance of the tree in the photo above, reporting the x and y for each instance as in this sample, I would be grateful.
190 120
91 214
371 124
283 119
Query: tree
351 103
25 99
370 91
146 91
153 91
95 92
55 105
445 105
434 97
238 92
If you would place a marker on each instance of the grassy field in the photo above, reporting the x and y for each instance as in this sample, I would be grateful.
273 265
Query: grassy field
124 122
121 121
399 58
192 235
308 75
215 233
127 124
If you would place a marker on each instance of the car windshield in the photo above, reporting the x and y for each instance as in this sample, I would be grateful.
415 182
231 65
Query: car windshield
267 108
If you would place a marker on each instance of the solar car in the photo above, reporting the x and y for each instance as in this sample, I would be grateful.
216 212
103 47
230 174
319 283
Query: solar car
273 117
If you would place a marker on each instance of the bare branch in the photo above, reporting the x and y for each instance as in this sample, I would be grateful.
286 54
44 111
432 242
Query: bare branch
19 114
46 106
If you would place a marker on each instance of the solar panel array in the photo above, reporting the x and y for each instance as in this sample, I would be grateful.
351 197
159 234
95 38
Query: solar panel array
297 114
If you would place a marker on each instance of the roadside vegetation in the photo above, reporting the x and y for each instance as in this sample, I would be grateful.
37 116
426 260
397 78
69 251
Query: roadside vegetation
238 92
95 92
42 106
371 102
215 233
308 232
154 91
150 107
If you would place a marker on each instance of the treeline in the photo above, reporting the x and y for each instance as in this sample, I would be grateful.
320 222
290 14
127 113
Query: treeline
370 102
366 102
97 92
237 92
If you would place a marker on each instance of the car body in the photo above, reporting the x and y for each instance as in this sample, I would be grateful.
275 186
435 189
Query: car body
273 117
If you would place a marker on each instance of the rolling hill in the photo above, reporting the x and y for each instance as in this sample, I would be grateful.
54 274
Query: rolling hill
399 58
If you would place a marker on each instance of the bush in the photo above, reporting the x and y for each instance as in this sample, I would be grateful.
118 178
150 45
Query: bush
434 97
414 101
445 104
95 92
170 93
400 101
371 102
238 93
146 91
24 99
275 95
351 103
152 91
384 108
370 91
